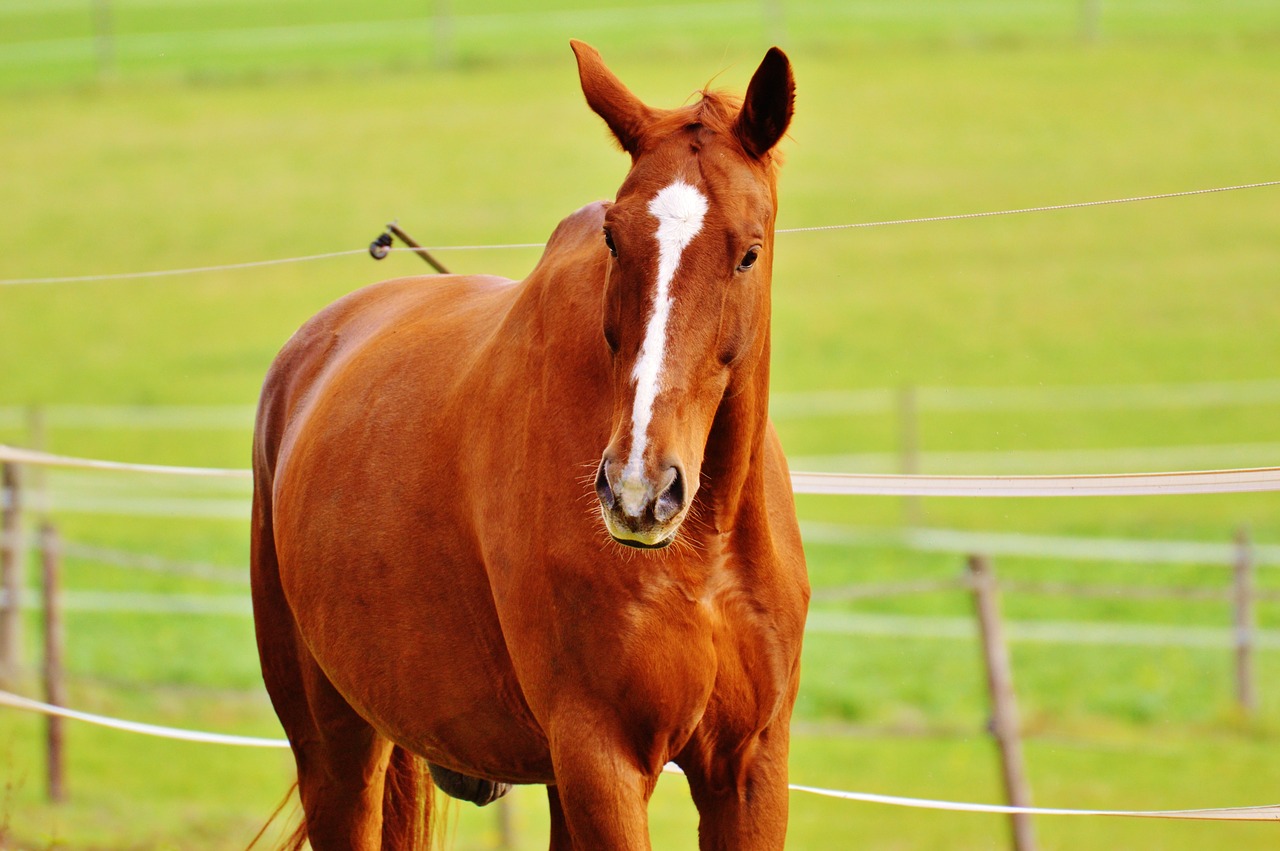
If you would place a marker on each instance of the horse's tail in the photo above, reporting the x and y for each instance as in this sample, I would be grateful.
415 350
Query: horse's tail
297 839
407 803
407 823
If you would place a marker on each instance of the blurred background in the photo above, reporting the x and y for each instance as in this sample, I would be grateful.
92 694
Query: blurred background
143 136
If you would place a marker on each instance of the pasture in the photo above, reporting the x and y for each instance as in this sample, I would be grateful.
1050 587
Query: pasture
241 139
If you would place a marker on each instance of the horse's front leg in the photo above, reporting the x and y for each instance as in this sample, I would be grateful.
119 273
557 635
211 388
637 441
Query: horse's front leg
601 796
742 797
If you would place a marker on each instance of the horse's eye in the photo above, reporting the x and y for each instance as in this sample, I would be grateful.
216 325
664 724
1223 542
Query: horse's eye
749 259
608 241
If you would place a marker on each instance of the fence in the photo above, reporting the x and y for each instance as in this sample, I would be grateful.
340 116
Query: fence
1005 725
103 38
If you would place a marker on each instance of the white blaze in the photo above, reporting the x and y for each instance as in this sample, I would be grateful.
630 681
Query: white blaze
679 209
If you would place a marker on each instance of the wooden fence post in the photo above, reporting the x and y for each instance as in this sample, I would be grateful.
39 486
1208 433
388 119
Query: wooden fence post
1004 705
506 827
54 681
775 22
104 41
11 564
1245 624
1090 20
442 24
36 482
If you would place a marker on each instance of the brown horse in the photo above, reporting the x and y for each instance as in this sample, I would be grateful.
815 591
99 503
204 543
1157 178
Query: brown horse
543 531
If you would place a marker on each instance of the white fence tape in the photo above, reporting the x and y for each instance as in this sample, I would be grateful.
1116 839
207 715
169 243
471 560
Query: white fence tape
1084 397
131 417
855 225
962 541
18 702
142 602
1111 484
237 510
1264 813
870 625
1013 462
782 404
928 627
45 459
164 273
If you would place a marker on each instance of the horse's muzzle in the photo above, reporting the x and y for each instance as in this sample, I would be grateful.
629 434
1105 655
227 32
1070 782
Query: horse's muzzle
639 512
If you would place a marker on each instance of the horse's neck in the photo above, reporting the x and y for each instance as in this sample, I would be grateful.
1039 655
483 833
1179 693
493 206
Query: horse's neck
733 465
552 337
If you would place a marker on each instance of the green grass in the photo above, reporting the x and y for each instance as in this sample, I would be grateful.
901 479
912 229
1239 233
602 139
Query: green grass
211 147
56 43
176 795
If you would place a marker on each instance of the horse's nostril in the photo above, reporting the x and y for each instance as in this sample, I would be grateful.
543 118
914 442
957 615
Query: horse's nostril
671 500
603 491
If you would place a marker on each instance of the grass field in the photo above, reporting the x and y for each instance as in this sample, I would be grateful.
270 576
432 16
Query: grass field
225 132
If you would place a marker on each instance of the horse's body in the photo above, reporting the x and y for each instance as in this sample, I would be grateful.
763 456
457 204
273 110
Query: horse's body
431 574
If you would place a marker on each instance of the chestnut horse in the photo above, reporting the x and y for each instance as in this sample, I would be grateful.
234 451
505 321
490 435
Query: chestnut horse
543 531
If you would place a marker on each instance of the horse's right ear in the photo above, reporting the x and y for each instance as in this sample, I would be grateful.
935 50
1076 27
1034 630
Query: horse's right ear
768 107
621 110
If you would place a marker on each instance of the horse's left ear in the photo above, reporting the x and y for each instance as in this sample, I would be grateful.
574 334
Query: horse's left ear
625 114
770 102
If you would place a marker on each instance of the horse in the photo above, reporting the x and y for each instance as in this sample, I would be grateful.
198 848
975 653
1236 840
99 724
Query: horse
542 532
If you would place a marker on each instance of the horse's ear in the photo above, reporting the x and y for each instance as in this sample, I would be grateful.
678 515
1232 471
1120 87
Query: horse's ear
621 110
770 102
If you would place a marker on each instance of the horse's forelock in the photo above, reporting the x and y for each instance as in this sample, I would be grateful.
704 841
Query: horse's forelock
715 113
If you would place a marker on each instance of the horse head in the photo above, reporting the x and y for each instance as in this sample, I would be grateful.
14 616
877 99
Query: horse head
685 313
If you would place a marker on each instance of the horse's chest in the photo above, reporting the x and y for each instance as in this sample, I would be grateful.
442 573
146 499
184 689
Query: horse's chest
757 648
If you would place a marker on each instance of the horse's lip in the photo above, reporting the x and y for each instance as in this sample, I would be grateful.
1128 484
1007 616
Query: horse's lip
641 545
635 539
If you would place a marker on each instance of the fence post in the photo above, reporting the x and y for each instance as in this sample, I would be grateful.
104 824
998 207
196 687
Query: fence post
442 24
37 479
1245 623
909 450
54 681
506 828
11 564
775 22
1090 20
1004 705
104 41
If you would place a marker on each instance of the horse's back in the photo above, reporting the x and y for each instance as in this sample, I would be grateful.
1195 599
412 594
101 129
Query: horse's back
355 325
